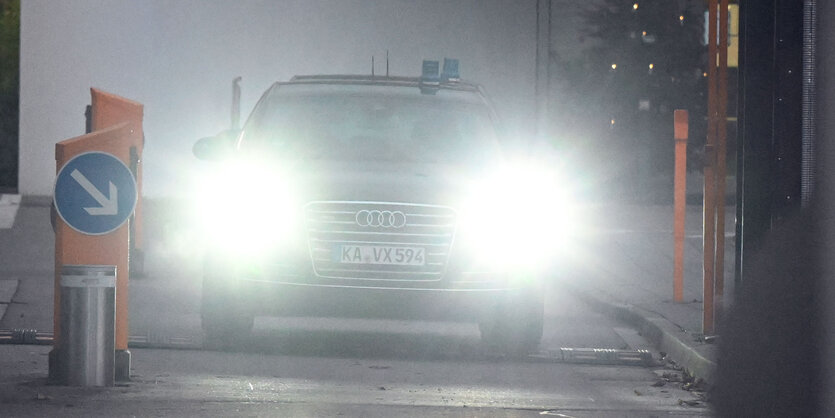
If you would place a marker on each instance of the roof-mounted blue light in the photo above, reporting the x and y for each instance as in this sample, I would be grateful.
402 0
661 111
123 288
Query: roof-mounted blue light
430 73
450 72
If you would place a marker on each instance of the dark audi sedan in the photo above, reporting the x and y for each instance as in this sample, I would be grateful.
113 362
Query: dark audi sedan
375 196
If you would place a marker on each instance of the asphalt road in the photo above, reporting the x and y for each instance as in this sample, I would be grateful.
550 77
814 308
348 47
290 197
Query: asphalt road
322 366
194 383
164 312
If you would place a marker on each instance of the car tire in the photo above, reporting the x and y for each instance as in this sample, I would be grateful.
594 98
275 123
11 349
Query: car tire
225 320
513 324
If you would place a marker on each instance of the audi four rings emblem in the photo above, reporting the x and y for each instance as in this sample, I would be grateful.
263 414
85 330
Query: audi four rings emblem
381 218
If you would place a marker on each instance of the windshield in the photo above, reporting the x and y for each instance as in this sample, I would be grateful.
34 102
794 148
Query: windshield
372 123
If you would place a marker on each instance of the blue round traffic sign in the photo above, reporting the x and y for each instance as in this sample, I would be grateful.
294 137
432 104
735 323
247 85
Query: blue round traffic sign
95 193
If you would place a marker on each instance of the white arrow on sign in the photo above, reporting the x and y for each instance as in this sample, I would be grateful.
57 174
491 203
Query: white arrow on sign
109 206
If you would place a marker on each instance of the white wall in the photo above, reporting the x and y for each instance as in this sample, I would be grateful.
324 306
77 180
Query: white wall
178 58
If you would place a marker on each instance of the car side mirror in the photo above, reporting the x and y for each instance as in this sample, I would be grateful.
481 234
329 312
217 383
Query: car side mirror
218 147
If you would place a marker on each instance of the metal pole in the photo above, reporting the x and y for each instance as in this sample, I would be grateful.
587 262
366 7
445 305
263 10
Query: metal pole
709 242
236 103
88 317
709 218
825 198
722 153
543 38
809 118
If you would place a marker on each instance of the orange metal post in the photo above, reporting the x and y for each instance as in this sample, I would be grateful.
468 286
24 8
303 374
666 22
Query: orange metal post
117 127
679 202
709 224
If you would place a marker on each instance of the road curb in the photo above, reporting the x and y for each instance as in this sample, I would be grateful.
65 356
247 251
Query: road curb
662 333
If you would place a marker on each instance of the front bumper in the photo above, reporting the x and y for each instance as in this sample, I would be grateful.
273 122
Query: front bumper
292 299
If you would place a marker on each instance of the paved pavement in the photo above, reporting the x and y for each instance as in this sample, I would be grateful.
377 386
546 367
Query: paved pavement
621 264
188 383
27 254
625 268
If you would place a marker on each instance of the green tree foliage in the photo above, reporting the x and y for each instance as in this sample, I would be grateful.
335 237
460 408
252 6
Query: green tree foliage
647 60
9 91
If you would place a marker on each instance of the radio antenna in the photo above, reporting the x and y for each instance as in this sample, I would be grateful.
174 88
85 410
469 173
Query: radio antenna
387 63
236 103
372 66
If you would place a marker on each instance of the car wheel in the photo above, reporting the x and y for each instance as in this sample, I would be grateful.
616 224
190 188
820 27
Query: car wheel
513 325
226 322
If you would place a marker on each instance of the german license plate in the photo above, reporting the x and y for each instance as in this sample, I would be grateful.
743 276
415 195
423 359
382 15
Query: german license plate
380 254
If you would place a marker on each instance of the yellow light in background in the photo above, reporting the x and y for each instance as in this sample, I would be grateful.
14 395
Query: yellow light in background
612 122
651 66
704 74
733 35
644 33
614 66
681 18
635 6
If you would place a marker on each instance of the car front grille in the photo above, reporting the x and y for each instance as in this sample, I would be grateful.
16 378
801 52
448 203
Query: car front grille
331 225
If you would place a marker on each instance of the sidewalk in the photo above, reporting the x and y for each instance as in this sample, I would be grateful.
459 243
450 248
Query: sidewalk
27 253
627 272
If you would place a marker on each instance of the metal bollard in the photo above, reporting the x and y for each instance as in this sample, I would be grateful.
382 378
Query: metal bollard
88 317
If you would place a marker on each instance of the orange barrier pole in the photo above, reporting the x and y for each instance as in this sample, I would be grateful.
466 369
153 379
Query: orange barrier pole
679 203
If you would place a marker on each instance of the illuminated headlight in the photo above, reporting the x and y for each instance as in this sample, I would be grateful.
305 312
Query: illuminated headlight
246 208
518 218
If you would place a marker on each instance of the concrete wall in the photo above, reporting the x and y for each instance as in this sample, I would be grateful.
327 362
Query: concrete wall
179 57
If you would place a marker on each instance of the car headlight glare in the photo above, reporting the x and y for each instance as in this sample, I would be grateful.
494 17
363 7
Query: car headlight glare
246 207
517 218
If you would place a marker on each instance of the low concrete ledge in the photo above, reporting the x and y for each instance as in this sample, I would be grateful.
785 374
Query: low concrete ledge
666 336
